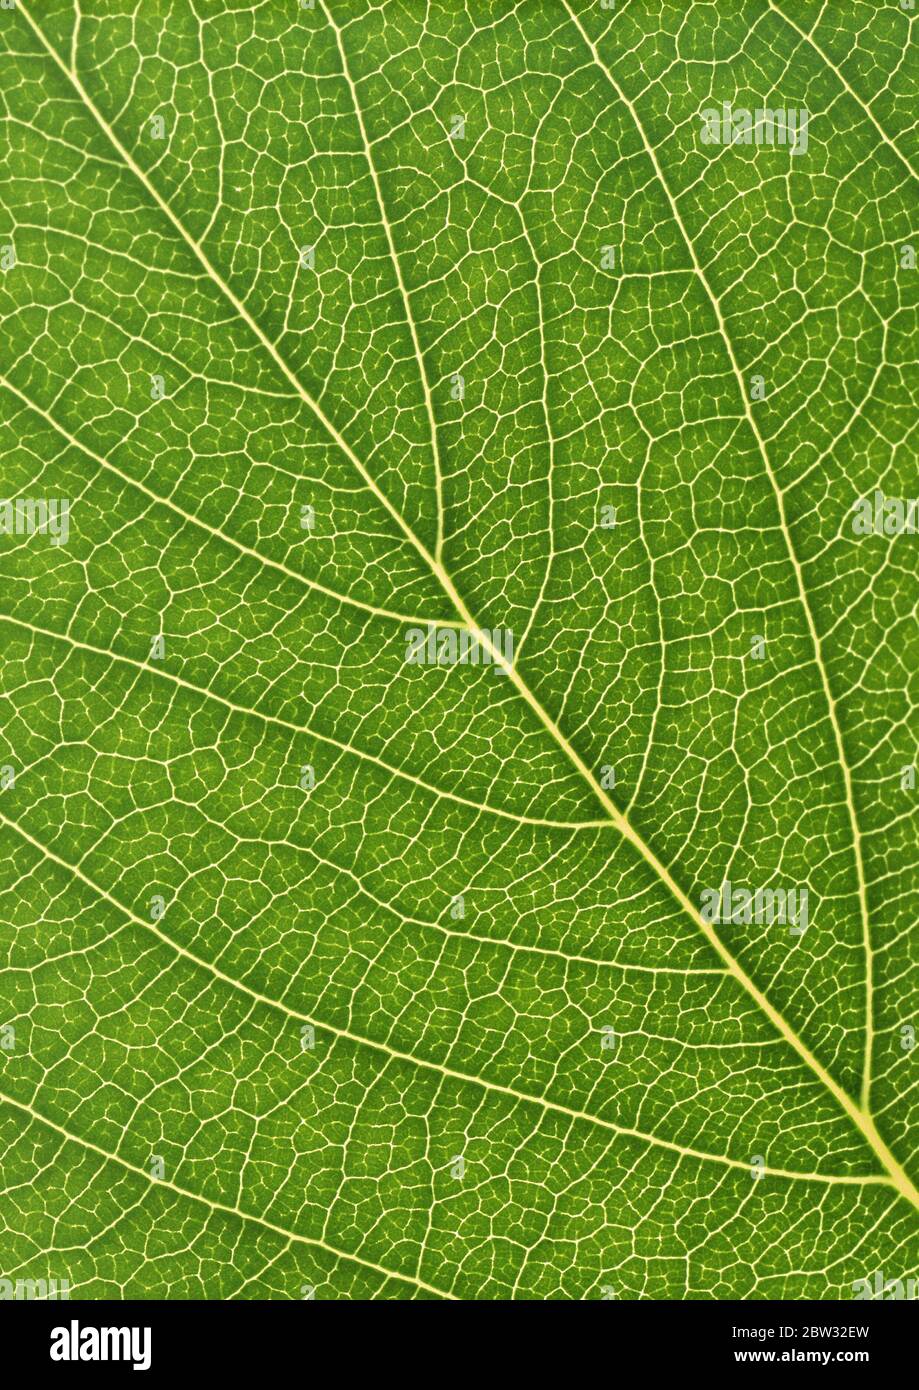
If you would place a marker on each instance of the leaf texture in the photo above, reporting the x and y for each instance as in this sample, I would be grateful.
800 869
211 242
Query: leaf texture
326 973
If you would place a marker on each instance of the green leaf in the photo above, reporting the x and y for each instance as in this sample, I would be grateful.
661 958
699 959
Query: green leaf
328 973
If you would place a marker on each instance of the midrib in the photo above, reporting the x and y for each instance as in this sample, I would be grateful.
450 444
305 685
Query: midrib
859 1116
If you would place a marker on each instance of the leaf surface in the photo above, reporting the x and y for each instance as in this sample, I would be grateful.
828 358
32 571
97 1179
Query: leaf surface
331 972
